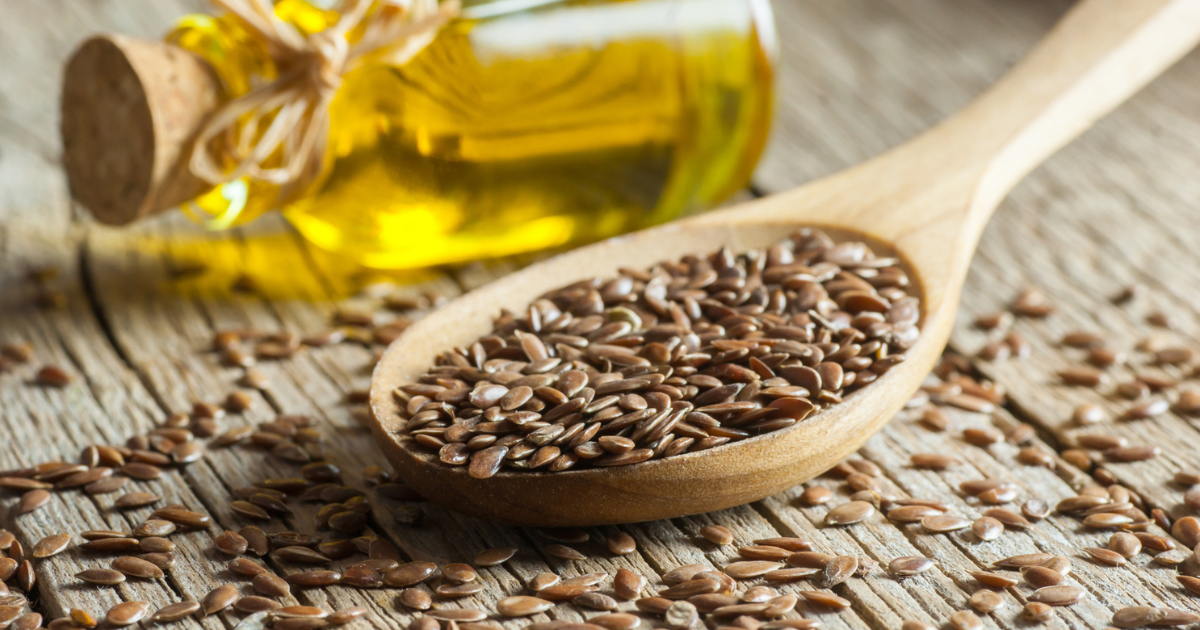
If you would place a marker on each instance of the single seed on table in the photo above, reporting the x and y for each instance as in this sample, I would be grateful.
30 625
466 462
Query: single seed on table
849 513
616 621
270 585
1138 616
837 571
563 591
626 584
28 621
113 545
135 500
312 579
942 523
493 557
1060 595
986 601
219 598
51 545
1008 518
932 461
987 528
593 600
751 568
251 604
759 594
1125 544
993 580
53 376
564 552
458 573
346 615
154 527
786 542
409 574
690 588
1083 376
763 552
1022 560
126 613
620 543
816 495
155 544
361 576
416 599
1058 563
164 560
1132 453
716 534
302 555
456 590
136 567
1041 577
230 543
104 577
906 566
965 620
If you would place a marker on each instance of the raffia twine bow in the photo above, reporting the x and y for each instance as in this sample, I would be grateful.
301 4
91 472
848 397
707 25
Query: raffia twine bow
295 106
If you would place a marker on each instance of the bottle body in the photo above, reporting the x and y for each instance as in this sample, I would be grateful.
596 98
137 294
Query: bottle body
522 130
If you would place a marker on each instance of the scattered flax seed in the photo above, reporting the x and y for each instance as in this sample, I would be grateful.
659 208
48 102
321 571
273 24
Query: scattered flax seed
906 566
1105 557
849 513
1032 303
716 534
987 528
932 461
986 601
965 620
1037 612
1147 410
1083 376
943 523
994 321
993 580
816 495
1138 616
53 376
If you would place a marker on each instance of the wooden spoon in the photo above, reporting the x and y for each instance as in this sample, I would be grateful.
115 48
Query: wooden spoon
926 201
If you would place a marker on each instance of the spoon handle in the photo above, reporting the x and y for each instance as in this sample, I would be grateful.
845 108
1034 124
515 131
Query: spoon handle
1098 55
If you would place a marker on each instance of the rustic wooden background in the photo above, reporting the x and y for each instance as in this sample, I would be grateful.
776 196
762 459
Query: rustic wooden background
1118 207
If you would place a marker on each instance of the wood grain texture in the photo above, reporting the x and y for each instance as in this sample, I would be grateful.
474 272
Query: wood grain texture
859 76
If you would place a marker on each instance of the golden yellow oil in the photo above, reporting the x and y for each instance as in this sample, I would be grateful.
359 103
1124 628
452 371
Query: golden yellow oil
524 125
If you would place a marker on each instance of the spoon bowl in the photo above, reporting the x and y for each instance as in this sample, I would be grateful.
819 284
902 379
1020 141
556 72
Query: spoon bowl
925 202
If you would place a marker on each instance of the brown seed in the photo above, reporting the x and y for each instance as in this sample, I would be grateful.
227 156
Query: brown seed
816 495
1105 556
154 527
849 513
986 601
219 599
182 517
416 599
51 545
135 500
409 574
564 552
716 534
1132 453
906 566
301 555
105 577
993 580
136 567
126 613
836 571
1023 560
142 471
942 523
616 621
620 543
361 576
1125 544
1138 616
932 461
53 376
751 568
458 573
230 543
1037 612
256 540
458 590
824 599
594 601
965 620
311 579
1083 376
628 585
987 528
1060 595
1040 577
163 561
254 604
786 542
346 615
155 544
175 612
270 585
493 557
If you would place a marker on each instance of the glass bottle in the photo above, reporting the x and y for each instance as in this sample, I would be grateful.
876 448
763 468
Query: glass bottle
525 125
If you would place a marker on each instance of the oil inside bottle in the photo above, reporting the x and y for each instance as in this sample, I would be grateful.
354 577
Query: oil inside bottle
524 125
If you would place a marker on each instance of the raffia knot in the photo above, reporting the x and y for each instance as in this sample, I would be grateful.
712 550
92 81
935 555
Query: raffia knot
277 132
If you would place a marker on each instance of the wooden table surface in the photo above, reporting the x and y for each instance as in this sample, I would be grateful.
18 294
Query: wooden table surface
1116 208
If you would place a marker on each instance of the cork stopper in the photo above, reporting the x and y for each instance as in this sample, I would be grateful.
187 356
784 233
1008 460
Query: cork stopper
130 110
